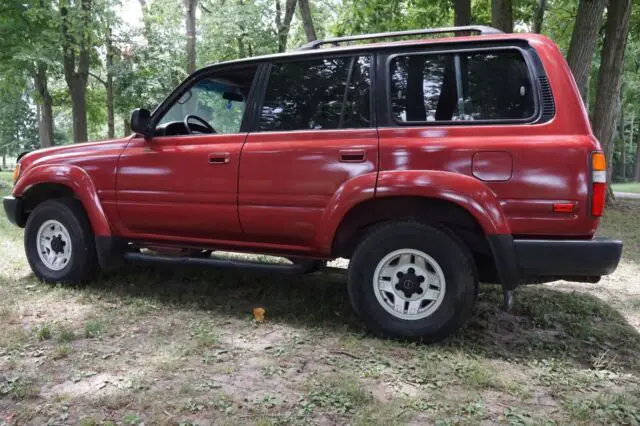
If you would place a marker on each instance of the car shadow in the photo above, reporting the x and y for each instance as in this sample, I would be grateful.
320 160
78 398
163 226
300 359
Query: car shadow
545 323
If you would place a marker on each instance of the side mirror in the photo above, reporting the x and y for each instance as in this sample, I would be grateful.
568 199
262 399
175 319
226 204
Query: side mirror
140 122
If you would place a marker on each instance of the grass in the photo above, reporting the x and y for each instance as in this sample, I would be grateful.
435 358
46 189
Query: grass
621 221
180 346
633 187
93 328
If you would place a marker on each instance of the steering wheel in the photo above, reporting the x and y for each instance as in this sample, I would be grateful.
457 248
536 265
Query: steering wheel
206 125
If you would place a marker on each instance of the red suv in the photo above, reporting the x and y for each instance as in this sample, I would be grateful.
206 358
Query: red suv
430 164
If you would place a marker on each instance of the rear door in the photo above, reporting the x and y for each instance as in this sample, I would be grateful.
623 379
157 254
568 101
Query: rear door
313 133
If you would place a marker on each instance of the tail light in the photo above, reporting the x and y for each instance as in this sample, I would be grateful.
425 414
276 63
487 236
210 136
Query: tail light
16 172
599 182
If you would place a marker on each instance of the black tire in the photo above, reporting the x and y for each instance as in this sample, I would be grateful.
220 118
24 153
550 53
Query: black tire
446 249
83 263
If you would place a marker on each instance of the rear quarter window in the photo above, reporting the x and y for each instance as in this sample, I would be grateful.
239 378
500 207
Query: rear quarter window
476 87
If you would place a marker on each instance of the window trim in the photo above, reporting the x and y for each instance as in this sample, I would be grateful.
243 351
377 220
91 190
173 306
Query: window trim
160 111
264 84
456 54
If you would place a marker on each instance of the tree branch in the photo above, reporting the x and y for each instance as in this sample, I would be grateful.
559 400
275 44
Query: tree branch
97 78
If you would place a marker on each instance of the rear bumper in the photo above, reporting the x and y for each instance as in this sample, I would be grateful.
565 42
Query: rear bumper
568 259
13 210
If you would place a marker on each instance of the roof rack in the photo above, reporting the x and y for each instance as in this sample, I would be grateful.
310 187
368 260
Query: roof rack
480 29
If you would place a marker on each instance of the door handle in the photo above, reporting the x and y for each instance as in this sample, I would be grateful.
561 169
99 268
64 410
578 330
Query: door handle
352 155
217 158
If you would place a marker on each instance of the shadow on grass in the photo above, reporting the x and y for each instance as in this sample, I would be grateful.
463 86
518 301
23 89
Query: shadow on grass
546 323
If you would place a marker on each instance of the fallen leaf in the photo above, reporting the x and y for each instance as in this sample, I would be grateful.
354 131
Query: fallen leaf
258 314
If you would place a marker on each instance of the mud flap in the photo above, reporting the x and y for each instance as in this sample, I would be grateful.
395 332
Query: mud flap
504 256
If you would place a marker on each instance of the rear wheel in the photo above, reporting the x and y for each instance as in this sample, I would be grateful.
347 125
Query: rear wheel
59 242
412 281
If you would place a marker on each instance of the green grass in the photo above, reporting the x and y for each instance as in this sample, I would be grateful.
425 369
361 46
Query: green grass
623 221
627 187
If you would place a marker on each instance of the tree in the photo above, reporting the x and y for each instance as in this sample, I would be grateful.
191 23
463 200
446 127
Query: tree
583 43
502 15
26 49
111 132
538 17
76 25
636 174
284 25
190 19
608 91
462 13
307 20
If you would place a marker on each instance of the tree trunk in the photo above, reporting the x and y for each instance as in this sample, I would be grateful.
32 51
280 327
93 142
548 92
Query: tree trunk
45 120
284 26
145 19
636 174
4 161
78 90
502 15
462 13
307 20
111 132
190 9
623 156
538 18
77 41
126 125
583 43
610 77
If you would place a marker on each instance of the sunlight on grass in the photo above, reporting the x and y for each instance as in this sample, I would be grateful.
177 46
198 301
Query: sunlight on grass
633 187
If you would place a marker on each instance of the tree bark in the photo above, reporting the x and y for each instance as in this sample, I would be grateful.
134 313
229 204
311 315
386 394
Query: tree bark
502 15
636 174
190 13
583 43
623 156
538 18
45 119
78 91
111 132
462 13
307 20
610 76
73 44
284 24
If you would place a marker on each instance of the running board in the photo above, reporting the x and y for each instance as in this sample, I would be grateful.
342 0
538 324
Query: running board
303 267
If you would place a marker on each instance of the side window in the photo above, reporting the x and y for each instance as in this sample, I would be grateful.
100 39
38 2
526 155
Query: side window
484 86
219 99
423 88
497 86
327 93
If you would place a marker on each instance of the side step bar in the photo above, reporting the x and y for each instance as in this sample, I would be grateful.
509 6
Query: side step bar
303 267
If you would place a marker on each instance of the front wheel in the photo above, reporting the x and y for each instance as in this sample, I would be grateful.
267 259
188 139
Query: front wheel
59 242
412 281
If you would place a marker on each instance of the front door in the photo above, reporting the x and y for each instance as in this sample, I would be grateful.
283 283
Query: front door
314 133
182 184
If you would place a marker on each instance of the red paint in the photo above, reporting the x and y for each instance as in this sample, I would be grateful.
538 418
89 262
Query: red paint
287 192
289 179
493 166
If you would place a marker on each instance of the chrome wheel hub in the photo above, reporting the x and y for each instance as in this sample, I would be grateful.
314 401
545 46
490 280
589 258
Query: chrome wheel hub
54 245
409 284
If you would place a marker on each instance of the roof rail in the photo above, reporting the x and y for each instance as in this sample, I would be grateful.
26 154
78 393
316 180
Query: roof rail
480 29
